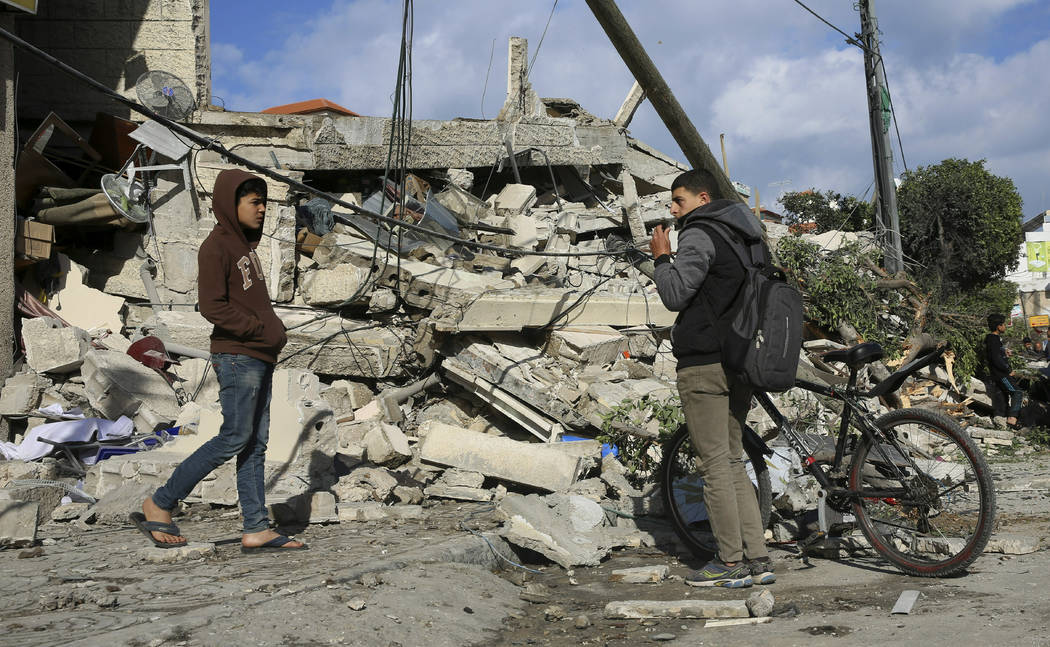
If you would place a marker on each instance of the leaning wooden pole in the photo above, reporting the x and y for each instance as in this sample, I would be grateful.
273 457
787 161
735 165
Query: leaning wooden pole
659 94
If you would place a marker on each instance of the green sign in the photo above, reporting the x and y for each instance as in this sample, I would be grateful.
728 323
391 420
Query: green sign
1037 255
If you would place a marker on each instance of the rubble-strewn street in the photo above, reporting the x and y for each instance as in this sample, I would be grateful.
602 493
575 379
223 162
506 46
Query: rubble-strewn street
420 576
466 421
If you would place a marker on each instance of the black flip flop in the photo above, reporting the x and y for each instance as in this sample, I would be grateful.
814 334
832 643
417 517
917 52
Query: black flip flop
149 527
275 545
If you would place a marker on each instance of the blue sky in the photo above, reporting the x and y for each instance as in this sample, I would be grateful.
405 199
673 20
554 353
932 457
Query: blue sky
970 78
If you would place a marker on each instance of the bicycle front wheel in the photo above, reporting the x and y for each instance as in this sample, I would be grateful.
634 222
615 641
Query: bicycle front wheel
923 493
683 490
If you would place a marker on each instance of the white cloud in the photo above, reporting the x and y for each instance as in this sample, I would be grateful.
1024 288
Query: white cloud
785 89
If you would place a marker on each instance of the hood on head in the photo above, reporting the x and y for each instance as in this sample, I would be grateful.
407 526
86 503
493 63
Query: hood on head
734 213
224 204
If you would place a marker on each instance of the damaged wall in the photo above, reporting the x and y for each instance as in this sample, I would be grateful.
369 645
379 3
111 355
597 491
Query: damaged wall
114 42
7 208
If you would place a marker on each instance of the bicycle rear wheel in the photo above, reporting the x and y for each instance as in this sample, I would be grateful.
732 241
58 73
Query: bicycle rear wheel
683 490
926 500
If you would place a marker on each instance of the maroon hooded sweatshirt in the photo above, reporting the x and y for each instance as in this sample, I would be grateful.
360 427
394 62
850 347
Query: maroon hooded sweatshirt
231 289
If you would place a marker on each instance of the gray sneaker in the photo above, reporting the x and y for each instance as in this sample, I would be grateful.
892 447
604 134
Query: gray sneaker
718 574
762 571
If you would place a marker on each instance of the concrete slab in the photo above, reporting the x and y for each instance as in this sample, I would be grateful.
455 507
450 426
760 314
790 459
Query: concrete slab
18 520
677 609
513 310
117 385
526 463
52 348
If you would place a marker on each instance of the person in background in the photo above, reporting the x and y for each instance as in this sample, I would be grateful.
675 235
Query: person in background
995 354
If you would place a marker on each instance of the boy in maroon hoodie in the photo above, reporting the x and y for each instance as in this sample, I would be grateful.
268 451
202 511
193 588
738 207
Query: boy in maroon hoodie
245 341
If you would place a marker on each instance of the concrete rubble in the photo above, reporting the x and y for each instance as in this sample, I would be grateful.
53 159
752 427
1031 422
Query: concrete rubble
416 370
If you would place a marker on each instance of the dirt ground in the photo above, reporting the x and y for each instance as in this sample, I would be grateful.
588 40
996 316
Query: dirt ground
404 583
824 602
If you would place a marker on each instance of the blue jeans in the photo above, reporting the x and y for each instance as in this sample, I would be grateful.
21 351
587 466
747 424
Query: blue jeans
245 384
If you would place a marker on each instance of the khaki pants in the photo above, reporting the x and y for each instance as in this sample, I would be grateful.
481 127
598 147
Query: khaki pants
715 407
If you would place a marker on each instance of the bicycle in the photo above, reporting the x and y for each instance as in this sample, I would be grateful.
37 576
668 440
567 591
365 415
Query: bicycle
916 485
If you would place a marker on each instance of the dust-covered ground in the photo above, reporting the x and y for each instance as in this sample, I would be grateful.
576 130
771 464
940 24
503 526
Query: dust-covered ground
429 582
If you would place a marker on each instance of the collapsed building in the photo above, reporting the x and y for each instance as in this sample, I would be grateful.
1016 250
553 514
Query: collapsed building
449 364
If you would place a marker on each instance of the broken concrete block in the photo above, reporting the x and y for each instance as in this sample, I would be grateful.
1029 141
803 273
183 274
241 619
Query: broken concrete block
462 478
277 254
587 345
83 306
69 511
386 444
18 521
677 609
760 603
408 495
460 177
21 393
329 287
566 529
525 234
613 474
382 300
346 395
309 507
457 492
376 482
52 348
641 574
371 511
1016 545
527 463
515 199
593 489
157 555
117 385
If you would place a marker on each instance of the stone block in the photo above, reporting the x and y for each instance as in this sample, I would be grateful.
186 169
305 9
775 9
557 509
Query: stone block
515 199
386 444
1013 545
83 306
69 511
566 529
157 555
329 287
641 574
277 253
52 348
117 385
458 492
677 609
375 482
309 507
21 393
408 495
346 395
405 512
18 522
588 345
525 234
531 464
371 511
760 603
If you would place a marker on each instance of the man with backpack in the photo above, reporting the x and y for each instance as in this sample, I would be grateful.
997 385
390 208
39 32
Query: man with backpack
702 284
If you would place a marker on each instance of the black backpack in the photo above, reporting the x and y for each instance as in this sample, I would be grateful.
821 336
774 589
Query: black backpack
761 332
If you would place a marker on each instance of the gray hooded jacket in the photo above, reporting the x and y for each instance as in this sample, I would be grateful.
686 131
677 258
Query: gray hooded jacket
703 279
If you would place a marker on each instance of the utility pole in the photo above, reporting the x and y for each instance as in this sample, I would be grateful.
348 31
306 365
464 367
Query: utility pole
879 114
659 94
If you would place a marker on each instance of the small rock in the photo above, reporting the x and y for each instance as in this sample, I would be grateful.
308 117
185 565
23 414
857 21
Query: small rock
663 637
553 613
195 550
760 603
356 604
31 553
535 593
582 622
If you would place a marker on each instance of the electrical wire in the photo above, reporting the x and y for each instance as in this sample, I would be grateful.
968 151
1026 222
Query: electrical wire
216 146
528 72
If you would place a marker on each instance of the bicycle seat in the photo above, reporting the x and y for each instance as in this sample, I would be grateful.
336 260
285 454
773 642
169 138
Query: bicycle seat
856 356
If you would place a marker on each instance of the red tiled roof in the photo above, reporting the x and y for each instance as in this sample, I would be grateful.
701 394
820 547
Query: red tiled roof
309 107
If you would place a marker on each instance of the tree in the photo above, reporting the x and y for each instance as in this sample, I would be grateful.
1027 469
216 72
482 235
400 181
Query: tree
960 223
828 210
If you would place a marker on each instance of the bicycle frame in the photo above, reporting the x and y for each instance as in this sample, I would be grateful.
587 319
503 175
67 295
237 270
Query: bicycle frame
853 409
